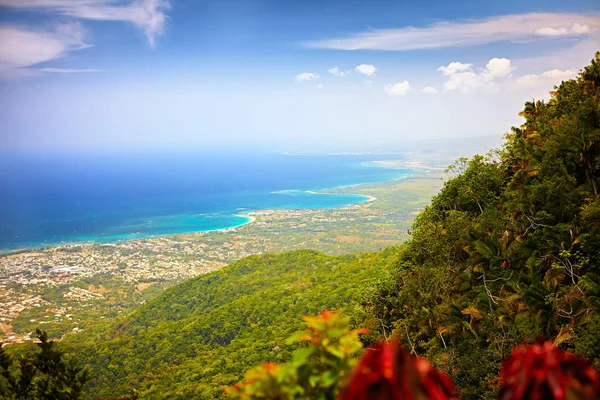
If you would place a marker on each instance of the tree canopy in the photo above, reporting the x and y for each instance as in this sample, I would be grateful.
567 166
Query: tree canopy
509 249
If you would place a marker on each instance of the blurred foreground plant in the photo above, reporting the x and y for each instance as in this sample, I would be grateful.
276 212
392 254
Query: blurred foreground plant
388 372
317 371
542 371
328 369
47 374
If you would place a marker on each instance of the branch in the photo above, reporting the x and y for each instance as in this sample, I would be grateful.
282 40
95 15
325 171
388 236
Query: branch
491 297
412 346
533 224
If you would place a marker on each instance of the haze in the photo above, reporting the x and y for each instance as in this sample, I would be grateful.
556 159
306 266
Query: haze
111 75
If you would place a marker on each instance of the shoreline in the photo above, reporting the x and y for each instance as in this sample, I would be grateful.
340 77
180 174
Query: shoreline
250 218
370 198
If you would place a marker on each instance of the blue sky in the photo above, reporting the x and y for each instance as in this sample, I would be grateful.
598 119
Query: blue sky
81 75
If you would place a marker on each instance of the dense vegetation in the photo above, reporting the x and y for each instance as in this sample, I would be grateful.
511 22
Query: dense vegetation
509 249
327 368
44 374
202 335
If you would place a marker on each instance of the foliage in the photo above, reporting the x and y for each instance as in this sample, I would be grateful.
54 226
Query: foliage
509 249
47 374
317 371
388 372
206 332
542 371
323 370
327 369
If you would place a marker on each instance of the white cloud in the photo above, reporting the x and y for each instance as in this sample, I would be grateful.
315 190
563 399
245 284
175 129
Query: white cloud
320 86
70 70
147 15
555 75
306 76
21 48
454 67
467 33
573 30
429 90
462 77
464 81
538 86
497 68
366 69
397 89
337 72
497 76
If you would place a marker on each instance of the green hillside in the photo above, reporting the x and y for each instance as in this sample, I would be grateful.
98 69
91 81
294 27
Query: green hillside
509 250
204 333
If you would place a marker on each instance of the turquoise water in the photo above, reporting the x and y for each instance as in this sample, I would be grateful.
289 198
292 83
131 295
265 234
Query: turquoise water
57 200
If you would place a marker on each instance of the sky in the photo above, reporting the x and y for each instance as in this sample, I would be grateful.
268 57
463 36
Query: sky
343 75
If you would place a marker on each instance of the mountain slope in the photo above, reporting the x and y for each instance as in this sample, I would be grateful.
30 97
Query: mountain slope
509 250
204 333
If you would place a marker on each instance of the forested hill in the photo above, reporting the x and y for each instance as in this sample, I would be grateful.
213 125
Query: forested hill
204 333
510 248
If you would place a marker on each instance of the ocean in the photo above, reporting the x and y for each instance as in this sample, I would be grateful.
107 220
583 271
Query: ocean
51 200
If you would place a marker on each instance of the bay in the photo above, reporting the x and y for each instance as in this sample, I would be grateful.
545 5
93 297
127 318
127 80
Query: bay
52 200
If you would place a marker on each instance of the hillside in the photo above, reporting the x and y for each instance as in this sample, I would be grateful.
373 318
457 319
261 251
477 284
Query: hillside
509 250
204 333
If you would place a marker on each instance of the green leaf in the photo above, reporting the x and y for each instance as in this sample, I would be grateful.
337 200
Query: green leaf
313 380
302 354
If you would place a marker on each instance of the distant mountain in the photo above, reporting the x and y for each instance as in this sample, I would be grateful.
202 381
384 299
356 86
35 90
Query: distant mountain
454 147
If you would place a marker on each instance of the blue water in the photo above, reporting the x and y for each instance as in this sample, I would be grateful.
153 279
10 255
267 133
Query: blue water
55 200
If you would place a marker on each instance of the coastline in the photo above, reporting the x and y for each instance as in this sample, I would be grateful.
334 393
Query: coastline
60 245
249 220
365 199
370 198
247 215
98 275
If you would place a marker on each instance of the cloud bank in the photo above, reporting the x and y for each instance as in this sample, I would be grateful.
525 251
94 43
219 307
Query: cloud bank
70 70
516 27
462 77
21 48
147 15
335 71
555 75
429 90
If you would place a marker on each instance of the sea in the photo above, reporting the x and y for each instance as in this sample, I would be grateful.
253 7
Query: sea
50 200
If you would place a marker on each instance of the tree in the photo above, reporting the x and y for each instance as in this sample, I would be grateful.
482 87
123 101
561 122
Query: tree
47 374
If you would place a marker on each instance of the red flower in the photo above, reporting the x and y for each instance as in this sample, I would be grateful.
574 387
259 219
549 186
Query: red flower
542 371
388 372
